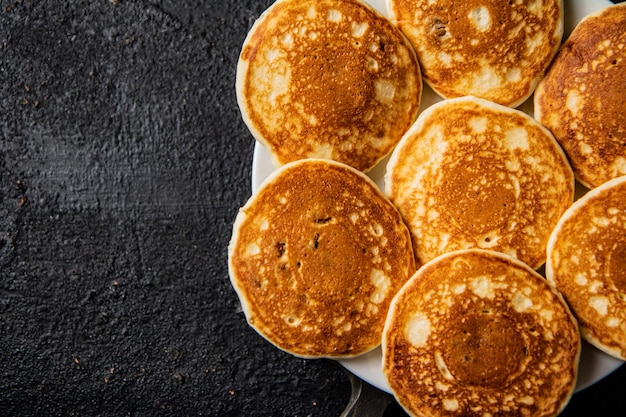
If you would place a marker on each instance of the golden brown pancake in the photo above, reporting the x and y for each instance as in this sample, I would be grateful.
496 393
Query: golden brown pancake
327 79
587 264
478 333
583 96
316 256
474 174
493 49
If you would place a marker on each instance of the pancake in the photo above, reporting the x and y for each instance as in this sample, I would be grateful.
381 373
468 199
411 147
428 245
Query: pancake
583 96
474 174
327 79
587 264
478 333
316 256
493 49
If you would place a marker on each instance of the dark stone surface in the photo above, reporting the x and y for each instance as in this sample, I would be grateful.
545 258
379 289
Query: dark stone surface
123 161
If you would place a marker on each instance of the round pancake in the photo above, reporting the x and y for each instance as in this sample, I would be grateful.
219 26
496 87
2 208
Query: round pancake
316 256
587 264
474 174
478 333
327 79
583 96
493 49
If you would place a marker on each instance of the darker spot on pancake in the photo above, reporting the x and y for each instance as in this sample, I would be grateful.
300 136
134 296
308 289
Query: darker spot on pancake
280 247
478 197
323 220
438 27
484 349
316 241
331 80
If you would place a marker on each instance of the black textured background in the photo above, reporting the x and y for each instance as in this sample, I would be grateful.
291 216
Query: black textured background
123 161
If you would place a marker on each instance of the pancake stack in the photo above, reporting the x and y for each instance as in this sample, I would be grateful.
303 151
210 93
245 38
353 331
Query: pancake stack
474 174
316 256
587 264
493 49
583 96
327 79
477 333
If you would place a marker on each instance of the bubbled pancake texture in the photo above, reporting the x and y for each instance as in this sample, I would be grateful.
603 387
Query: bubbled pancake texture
587 264
582 99
476 333
317 255
497 50
473 174
327 79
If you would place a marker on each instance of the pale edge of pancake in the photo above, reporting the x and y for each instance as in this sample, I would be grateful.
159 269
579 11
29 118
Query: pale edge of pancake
407 287
241 218
570 214
535 81
243 66
240 82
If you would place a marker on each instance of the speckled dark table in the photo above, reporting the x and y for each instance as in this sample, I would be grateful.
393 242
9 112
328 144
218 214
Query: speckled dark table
123 161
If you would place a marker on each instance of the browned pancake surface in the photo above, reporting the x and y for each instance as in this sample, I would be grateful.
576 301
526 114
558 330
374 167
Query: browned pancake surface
473 174
493 49
587 264
316 256
476 333
327 79
583 97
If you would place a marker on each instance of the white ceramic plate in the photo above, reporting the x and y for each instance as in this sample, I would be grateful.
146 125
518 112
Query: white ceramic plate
594 364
